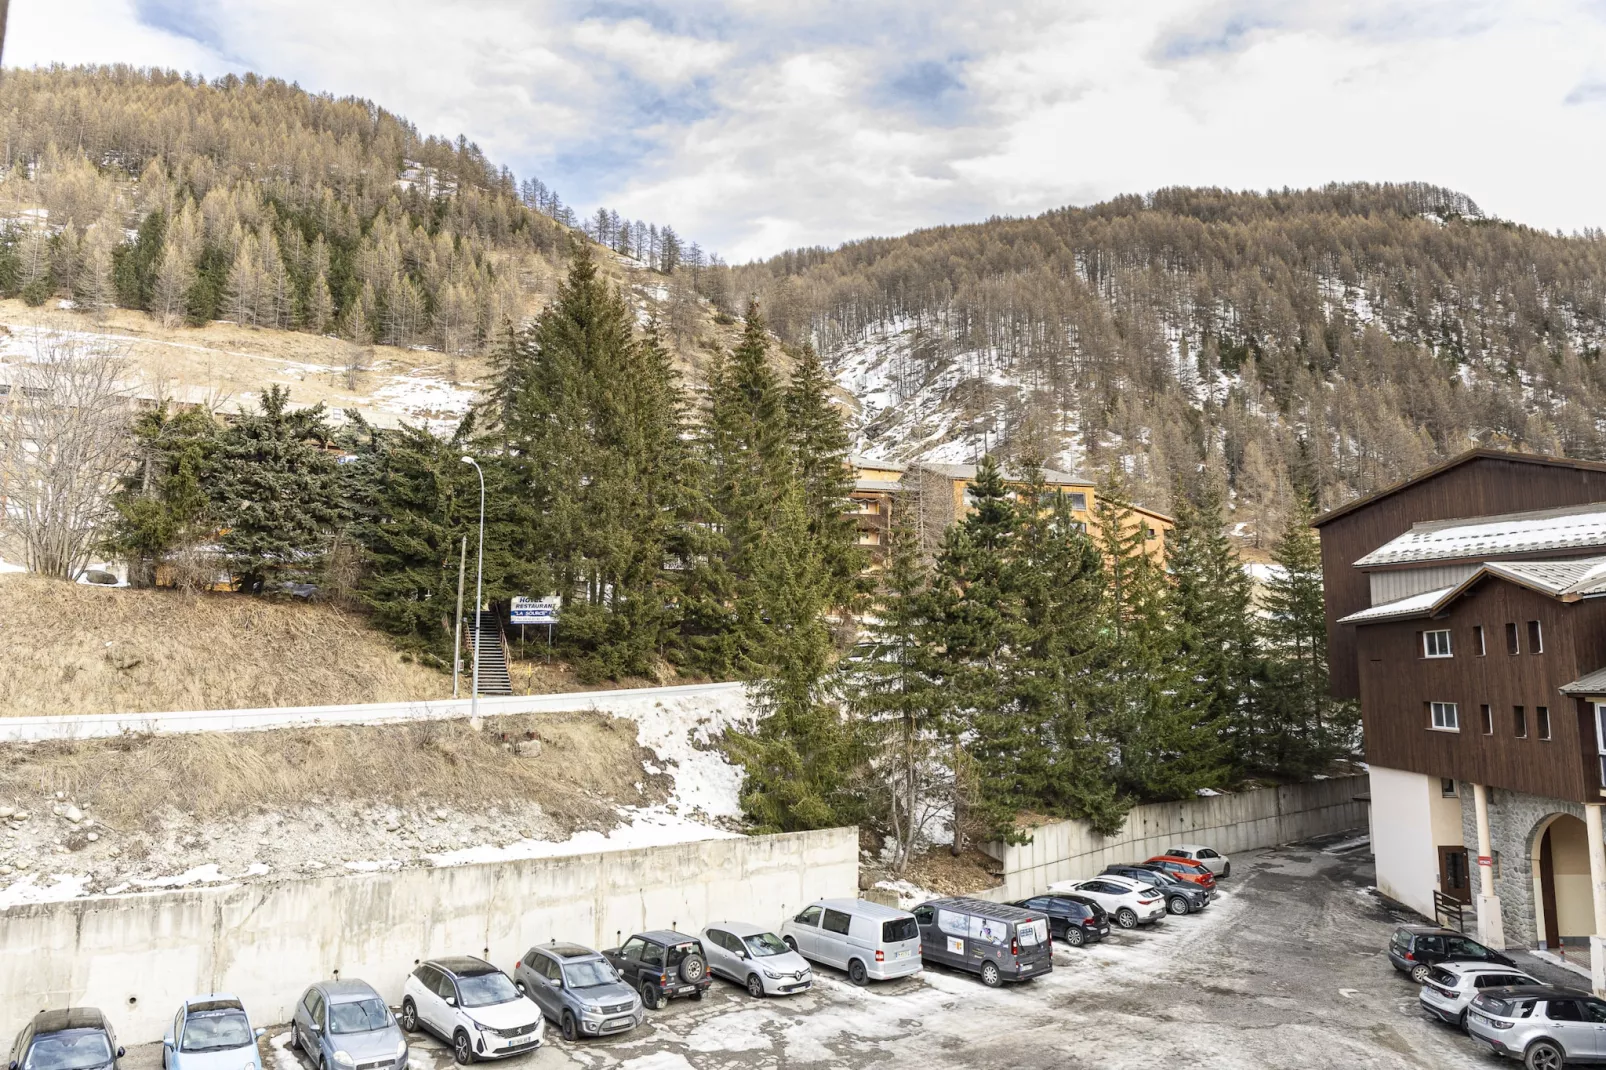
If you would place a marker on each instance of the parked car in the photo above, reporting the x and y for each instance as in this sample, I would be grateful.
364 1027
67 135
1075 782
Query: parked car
1544 1026
1208 857
999 941
1131 903
1451 987
755 958
870 941
341 1025
1416 949
211 1033
1186 868
76 1039
1075 919
661 965
579 990
473 1006
1181 896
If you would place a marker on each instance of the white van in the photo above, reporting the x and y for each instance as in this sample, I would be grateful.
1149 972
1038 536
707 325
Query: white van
870 941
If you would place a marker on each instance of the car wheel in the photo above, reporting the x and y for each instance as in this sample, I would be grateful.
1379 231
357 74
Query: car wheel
1177 905
293 1045
755 987
699 993
789 942
1461 1021
650 997
462 1048
1419 973
1075 936
569 1030
1226 870
990 975
857 973
409 1015
1543 1055
1126 918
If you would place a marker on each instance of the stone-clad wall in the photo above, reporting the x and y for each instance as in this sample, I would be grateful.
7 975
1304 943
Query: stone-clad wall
1514 816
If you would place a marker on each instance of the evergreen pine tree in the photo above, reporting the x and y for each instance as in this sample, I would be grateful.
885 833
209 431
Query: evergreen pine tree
819 446
162 503
273 491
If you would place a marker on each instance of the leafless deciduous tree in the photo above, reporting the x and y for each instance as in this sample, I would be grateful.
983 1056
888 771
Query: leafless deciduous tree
64 422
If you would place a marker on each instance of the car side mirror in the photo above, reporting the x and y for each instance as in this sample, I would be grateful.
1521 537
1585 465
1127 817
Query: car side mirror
451 1001
259 1033
121 1052
14 1065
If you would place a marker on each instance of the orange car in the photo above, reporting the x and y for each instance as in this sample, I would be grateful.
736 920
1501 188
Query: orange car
1186 868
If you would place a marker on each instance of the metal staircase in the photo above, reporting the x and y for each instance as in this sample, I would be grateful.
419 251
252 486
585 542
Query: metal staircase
490 651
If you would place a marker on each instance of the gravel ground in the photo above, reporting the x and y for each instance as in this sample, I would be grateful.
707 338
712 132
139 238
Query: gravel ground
1285 969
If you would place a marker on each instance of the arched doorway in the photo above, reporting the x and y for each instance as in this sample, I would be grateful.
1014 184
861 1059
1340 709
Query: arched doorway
1564 906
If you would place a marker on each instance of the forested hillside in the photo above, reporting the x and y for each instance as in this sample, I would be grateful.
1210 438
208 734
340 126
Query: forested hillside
1335 339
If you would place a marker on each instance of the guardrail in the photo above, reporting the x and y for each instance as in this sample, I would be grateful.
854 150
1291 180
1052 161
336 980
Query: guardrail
1448 910
104 725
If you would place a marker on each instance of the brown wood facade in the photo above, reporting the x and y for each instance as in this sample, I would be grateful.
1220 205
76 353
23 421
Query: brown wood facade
1480 483
1397 683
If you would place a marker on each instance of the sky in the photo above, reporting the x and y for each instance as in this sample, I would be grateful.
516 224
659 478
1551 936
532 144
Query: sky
755 126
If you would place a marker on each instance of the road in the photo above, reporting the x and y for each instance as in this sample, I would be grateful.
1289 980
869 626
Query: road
1285 969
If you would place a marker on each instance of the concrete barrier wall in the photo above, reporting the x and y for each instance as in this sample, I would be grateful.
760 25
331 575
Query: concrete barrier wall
135 957
1070 850
621 702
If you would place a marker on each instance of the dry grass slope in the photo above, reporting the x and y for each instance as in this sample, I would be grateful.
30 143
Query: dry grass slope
73 649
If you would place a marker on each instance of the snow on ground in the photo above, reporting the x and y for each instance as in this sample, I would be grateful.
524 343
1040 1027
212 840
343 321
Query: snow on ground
29 890
438 404
909 893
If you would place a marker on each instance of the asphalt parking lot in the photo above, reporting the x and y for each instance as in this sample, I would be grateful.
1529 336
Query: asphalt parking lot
1285 969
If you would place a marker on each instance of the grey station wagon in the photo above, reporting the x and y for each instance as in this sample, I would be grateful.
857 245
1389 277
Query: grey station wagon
579 990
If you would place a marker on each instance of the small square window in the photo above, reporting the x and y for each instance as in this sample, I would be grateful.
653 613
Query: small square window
1542 721
1511 638
1436 644
1536 642
1079 501
1447 787
1488 719
1477 640
1444 717
1519 722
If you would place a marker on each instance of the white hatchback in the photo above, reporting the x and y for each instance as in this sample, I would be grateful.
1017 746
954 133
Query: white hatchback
1131 903
1208 857
1451 986
756 958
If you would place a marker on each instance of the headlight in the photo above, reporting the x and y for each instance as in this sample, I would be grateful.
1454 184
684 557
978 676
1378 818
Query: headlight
401 1049
771 974
345 1059
249 1066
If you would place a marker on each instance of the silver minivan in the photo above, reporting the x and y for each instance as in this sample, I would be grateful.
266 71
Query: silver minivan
870 941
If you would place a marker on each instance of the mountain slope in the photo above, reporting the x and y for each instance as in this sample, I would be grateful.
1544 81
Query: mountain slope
1334 339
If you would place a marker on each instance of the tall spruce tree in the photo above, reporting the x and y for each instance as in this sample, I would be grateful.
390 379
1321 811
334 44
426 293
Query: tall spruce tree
162 504
274 492
1301 729
1211 615
819 446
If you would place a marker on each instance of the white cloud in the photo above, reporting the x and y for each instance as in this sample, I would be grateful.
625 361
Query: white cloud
752 126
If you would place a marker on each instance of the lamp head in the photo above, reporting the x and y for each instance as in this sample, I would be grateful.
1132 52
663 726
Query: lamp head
468 460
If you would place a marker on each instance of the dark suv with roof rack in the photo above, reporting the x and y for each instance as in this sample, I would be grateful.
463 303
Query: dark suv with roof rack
80 1038
661 965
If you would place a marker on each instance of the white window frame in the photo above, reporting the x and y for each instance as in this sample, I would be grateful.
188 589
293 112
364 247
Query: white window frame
1444 717
1600 739
1536 637
1483 647
1429 646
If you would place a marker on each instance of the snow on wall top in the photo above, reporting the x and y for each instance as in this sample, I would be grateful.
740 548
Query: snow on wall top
1409 606
1577 526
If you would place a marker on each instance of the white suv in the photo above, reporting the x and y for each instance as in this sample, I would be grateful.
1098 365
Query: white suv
472 1006
1131 903
1208 857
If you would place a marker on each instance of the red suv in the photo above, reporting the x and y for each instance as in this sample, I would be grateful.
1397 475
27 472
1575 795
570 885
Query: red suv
1186 868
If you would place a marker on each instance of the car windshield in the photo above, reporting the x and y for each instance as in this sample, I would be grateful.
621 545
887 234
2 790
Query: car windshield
486 989
69 1051
589 974
360 1017
216 1032
765 944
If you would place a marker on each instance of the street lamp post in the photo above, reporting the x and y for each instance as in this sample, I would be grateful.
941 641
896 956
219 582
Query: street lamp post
479 581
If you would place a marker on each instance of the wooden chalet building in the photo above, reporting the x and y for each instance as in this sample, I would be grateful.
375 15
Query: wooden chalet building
1466 610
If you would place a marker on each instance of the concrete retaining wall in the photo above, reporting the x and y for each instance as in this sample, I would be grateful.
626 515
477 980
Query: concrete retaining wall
135 957
621 702
1069 850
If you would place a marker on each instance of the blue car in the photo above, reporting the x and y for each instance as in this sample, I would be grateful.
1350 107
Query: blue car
211 1033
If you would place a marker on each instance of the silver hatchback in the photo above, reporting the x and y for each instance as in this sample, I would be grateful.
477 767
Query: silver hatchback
1543 1025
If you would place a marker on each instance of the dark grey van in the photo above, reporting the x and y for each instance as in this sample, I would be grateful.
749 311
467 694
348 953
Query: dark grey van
998 941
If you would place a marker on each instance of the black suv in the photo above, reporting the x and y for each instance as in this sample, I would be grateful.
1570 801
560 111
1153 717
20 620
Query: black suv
80 1038
1416 949
1181 897
1074 919
661 965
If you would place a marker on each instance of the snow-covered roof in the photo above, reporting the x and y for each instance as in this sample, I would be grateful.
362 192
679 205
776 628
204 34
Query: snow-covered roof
968 472
877 485
1589 684
1410 606
880 464
1574 527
